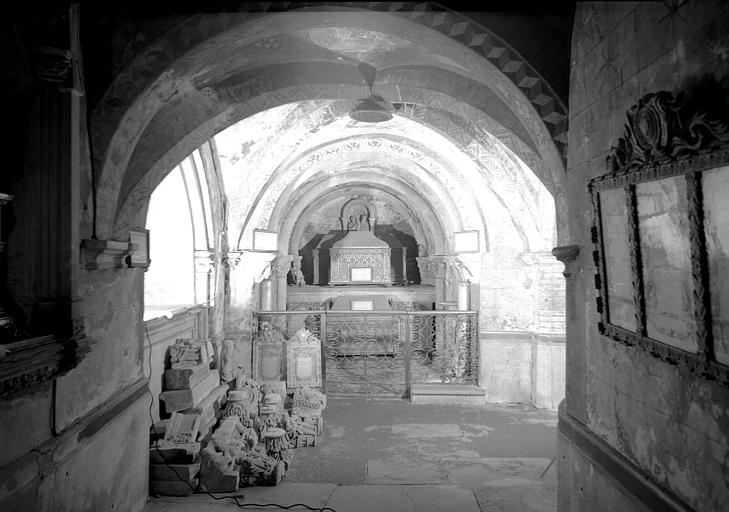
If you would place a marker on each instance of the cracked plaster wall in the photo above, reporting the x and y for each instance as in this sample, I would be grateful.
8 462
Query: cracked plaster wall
672 425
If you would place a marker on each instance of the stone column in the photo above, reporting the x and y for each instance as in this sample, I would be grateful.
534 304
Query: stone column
315 254
439 269
463 295
282 265
424 268
404 265
568 256
267 302
204 274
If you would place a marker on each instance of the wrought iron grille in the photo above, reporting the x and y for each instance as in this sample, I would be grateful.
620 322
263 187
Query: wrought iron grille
381 353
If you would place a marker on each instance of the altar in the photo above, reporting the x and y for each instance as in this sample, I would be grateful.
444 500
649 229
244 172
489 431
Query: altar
360 257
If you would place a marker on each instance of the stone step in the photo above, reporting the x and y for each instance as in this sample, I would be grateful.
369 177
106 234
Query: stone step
446 393
438 388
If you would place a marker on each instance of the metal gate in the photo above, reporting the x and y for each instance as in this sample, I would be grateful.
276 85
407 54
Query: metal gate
382 353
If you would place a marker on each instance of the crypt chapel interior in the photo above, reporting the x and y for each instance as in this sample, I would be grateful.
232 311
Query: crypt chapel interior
401 201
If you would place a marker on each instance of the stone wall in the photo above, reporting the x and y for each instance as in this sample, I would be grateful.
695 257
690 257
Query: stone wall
667 427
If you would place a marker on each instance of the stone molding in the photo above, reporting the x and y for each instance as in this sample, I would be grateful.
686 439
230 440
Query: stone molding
630 479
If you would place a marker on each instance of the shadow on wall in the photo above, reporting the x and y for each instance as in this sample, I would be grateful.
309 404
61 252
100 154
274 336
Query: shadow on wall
395 238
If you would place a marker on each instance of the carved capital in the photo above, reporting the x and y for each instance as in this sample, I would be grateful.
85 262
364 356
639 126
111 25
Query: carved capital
440 268
231 259
282 264
424 267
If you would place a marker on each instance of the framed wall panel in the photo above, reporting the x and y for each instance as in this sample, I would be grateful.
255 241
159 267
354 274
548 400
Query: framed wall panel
661 235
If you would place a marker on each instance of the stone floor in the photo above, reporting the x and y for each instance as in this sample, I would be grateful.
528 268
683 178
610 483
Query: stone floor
392 455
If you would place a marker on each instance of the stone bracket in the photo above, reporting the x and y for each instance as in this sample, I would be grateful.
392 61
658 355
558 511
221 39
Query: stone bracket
105 254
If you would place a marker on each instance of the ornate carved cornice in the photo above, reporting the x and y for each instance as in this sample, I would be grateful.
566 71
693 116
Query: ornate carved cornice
27 363
659 127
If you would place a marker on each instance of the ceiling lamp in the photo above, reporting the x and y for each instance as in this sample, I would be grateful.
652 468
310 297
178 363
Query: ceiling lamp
373 109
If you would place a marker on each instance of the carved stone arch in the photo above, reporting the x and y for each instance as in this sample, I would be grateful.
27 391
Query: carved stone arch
151 61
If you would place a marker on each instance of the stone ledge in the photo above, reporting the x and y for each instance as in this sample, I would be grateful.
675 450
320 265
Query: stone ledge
446 393
437 388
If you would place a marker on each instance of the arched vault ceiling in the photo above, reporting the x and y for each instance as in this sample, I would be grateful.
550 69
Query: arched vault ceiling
474 132
175 79
191 108
445 176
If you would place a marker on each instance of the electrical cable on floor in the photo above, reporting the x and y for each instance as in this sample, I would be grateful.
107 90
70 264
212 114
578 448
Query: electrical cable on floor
234 497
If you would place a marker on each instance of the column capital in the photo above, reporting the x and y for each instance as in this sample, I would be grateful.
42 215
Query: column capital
231 259
282 264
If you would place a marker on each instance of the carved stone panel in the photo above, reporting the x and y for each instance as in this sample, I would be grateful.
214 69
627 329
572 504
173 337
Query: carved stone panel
344 260
618 274
304 360
666 262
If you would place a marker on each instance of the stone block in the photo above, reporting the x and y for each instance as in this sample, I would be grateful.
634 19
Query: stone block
216 482
183 399
205 430
173 488
164 452
186 378
211 406
183 428
172 472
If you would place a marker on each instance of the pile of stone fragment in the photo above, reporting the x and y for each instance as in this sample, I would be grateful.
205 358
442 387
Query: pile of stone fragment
222 437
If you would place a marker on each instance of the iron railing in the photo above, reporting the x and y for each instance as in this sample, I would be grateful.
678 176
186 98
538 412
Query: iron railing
380 353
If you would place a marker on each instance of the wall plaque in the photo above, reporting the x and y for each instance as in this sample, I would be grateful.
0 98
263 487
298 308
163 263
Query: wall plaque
361 274
661 235
304 360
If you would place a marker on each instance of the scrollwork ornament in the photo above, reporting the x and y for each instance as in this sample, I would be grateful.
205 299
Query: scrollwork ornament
659 128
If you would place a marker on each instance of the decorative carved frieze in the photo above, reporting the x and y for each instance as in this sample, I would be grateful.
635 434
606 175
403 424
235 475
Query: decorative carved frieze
345 259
